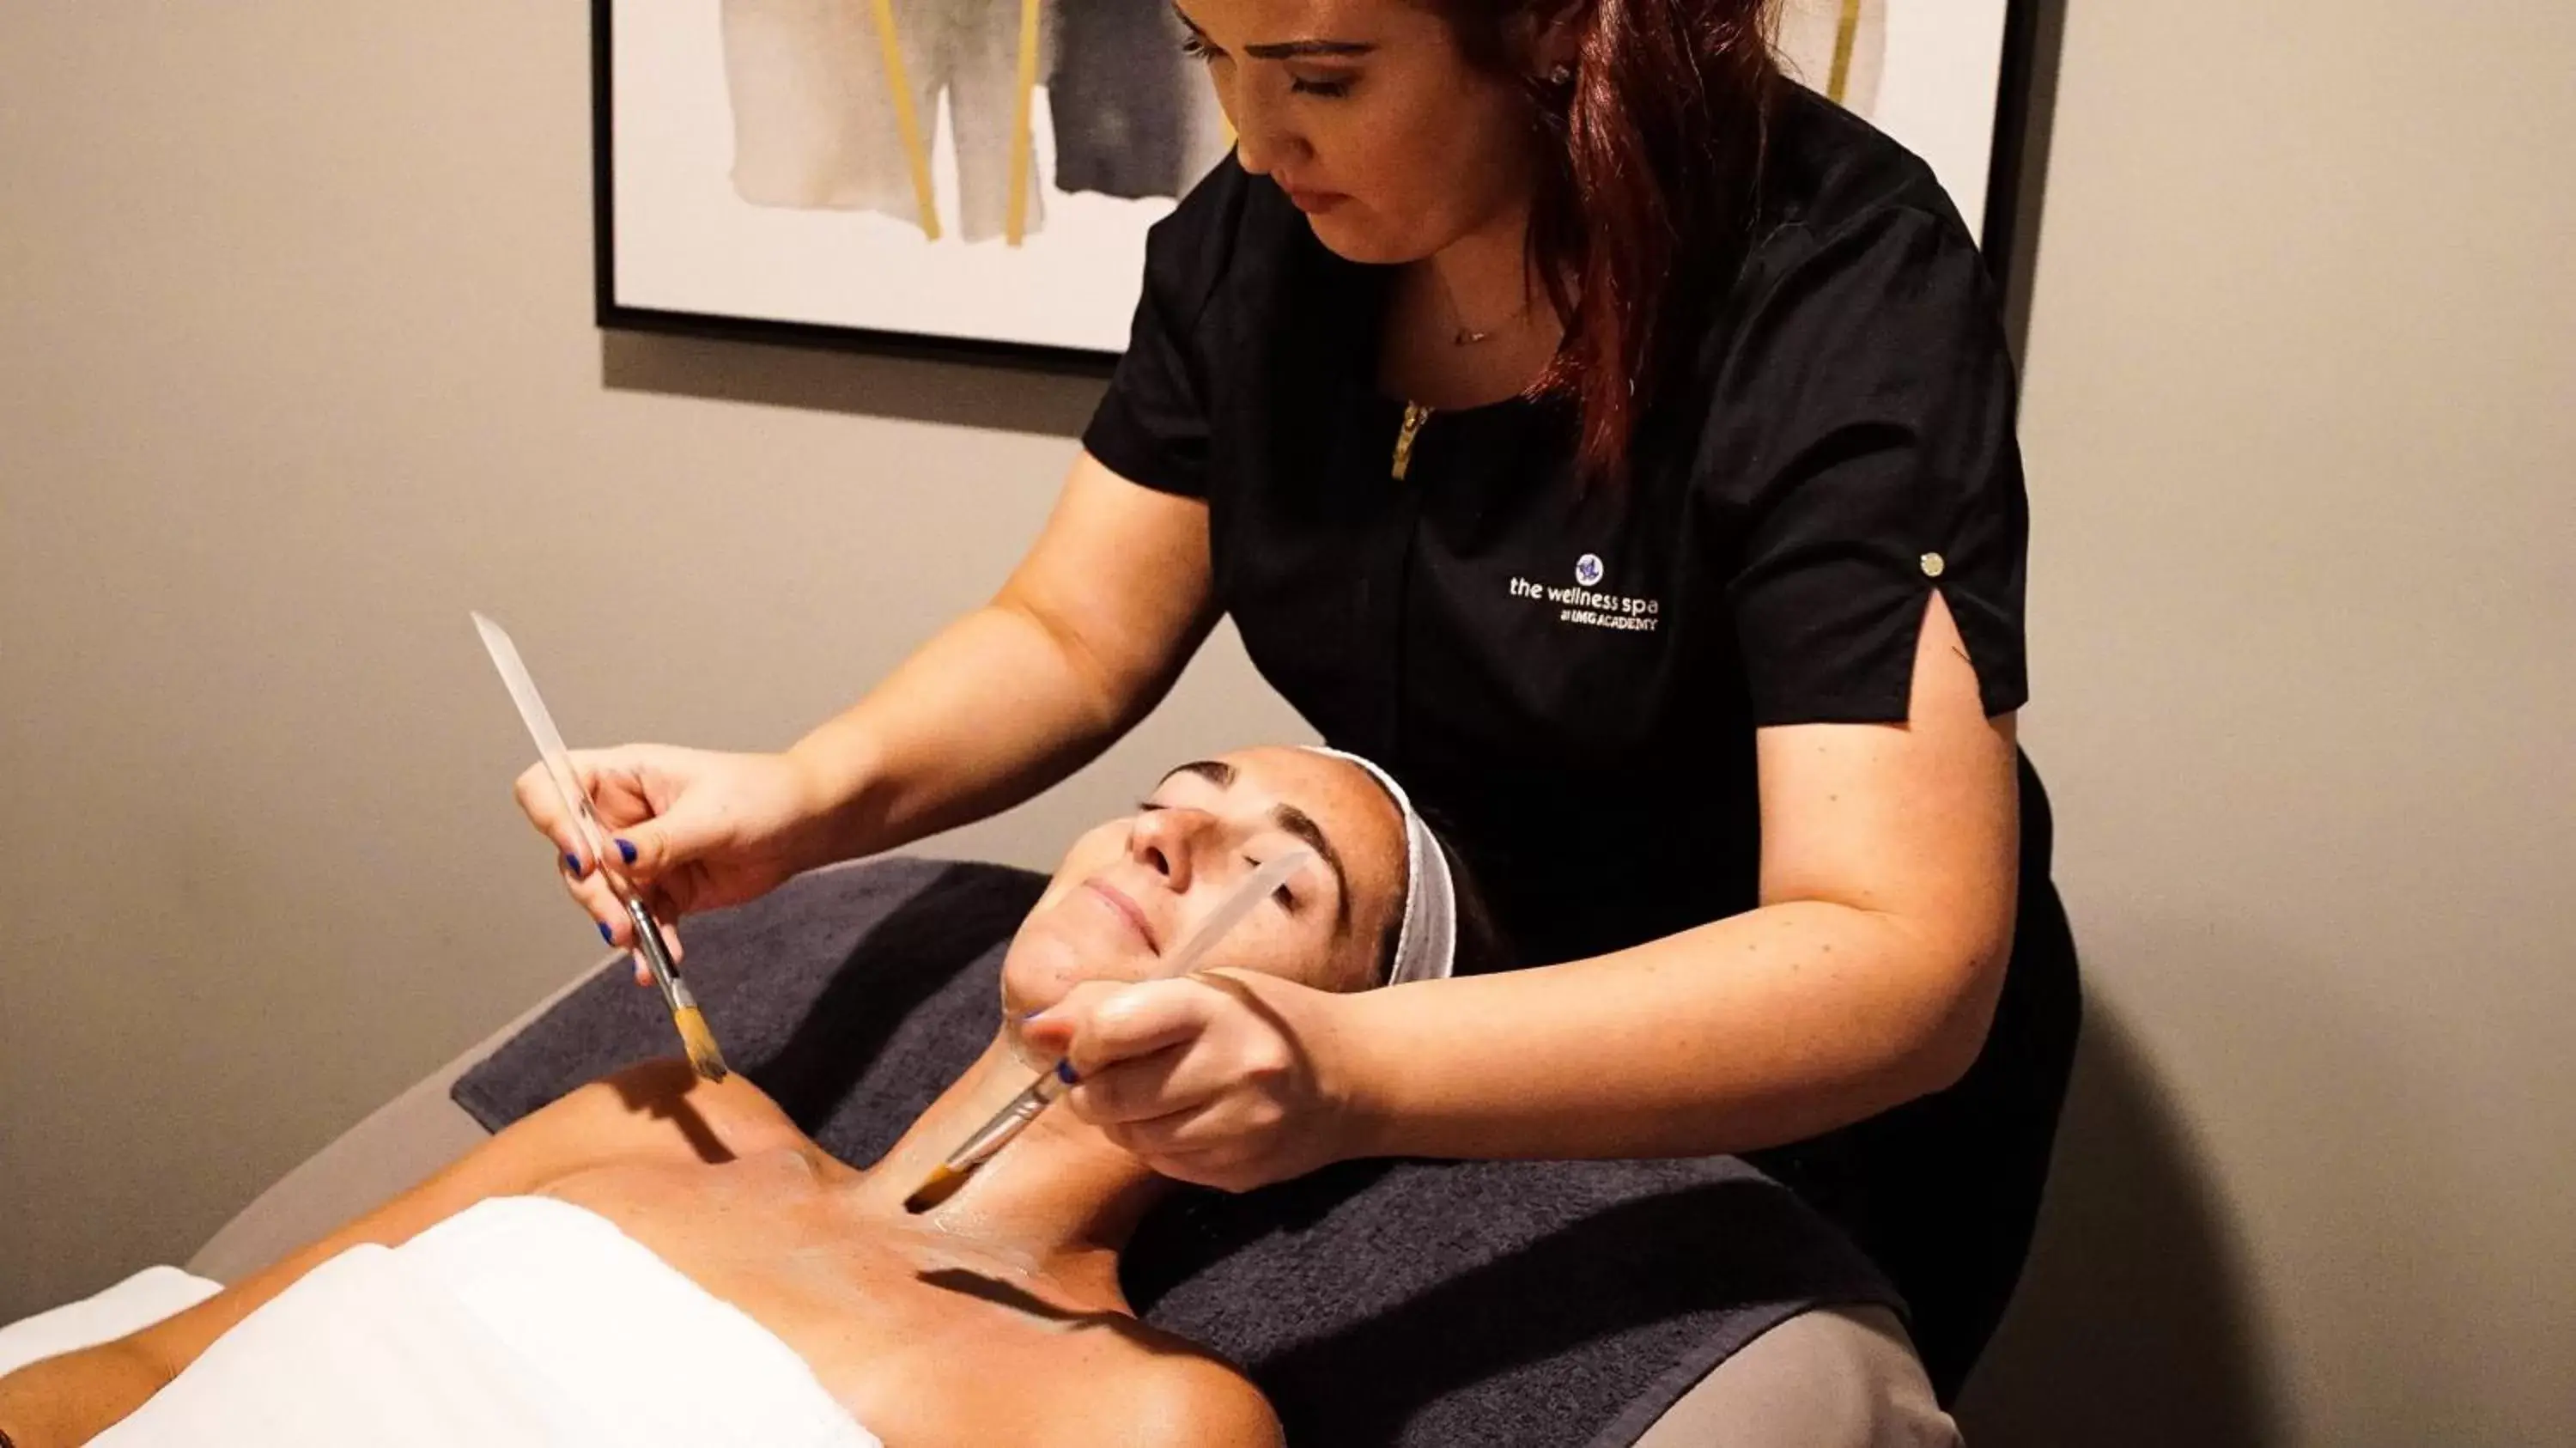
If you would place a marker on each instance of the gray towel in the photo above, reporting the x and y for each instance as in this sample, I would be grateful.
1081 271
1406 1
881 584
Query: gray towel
1418 1304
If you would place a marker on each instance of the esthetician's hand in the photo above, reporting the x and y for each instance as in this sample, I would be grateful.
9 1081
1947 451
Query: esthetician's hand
692 828
1228 1079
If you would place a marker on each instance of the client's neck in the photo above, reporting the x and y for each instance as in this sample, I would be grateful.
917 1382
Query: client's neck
1060 1195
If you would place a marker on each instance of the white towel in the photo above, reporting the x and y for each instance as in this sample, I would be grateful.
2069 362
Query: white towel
135 1303
522 1322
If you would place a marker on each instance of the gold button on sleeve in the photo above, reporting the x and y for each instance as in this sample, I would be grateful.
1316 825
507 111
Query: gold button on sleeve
1933 565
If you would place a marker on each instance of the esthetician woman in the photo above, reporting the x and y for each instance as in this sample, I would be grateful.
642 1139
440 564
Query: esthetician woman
1615 441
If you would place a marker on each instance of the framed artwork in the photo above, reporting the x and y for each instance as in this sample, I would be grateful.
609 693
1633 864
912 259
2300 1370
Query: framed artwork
1948 78
974 178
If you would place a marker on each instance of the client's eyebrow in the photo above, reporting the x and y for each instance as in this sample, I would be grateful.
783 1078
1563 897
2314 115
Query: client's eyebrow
1301 824
1214 771
1286 49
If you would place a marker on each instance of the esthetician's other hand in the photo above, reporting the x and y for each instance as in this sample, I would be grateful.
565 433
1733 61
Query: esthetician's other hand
1228 1079
692 828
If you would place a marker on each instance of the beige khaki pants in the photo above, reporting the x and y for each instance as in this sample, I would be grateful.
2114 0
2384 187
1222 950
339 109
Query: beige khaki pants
1834 1378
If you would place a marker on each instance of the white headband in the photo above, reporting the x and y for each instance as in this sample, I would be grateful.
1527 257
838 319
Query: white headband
1426 941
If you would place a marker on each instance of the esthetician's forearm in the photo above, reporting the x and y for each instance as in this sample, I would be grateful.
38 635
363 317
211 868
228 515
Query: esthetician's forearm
1084 639
987 714
1764 1028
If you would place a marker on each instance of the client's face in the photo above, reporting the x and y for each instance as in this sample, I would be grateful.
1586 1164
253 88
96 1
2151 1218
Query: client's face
1130 892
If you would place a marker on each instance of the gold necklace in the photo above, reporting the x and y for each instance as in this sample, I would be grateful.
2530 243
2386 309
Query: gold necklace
1463 335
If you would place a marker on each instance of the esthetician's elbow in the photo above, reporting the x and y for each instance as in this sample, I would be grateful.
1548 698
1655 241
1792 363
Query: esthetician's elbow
1964 979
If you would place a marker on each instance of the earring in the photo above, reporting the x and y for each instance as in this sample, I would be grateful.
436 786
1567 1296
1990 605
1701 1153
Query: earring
1560 74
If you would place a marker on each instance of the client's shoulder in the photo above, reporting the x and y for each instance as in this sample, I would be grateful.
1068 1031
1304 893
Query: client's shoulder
1176 1394
1205 1403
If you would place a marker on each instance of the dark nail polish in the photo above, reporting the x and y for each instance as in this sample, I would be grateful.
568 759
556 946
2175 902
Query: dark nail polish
1064 1072
606 935
627 851
572 862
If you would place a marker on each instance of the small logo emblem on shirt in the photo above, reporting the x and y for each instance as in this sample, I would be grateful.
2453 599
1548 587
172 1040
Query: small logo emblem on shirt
1587 569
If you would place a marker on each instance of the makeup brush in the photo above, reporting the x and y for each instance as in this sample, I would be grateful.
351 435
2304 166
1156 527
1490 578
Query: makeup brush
695 1038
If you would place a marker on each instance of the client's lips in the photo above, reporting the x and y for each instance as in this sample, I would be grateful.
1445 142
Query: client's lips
1118 900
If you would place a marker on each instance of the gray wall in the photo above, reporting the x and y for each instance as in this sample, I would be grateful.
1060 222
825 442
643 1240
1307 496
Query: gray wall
2301 364
295 367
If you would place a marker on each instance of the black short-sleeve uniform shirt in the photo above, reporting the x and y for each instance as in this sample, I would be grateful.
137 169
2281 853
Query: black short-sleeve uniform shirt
1569 678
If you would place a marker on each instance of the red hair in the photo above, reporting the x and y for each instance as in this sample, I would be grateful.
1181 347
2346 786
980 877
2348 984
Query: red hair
1646 192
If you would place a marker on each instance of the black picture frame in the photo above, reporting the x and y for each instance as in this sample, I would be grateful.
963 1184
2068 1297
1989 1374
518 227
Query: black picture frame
2001 241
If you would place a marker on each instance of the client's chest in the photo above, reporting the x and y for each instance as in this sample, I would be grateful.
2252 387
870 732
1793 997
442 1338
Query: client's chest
924 1343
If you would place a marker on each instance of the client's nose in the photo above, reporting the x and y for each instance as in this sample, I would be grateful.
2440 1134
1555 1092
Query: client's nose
1166 840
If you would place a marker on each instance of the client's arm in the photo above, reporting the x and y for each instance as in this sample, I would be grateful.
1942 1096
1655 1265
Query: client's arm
635 1116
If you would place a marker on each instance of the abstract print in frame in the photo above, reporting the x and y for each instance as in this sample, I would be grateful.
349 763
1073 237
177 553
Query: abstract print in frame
975 177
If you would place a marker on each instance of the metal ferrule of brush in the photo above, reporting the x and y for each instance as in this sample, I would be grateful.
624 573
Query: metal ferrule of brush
657 956
1009 1122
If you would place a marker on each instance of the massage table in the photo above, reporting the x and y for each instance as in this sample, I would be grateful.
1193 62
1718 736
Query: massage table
1822 1379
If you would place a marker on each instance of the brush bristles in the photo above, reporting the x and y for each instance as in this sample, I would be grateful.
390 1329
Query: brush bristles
942 1185
700 1043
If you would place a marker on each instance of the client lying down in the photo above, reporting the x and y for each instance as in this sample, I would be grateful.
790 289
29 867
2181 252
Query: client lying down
653 1258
